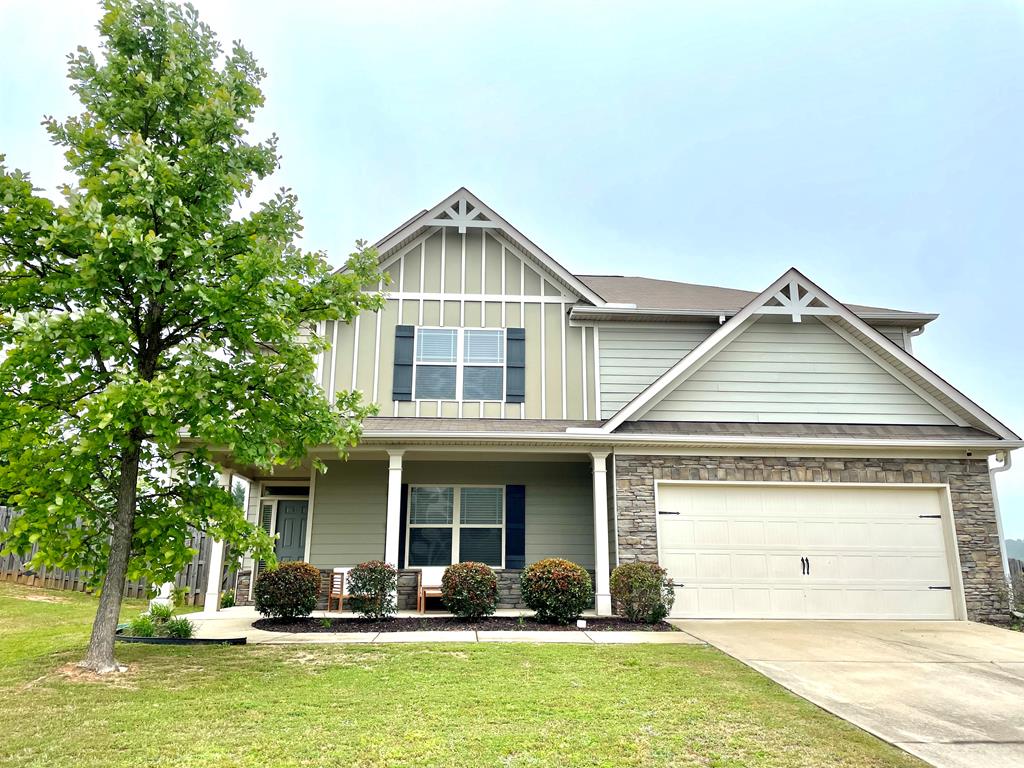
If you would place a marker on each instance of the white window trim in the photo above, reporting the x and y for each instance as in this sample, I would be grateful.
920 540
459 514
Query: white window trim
456 523
460 364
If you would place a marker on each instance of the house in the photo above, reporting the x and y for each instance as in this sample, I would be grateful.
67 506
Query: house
781 453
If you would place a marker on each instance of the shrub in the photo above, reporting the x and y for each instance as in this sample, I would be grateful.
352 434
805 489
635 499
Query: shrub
227 600
179 627
557 590
142 626
160 612
287 591
642 592
469 590
371 588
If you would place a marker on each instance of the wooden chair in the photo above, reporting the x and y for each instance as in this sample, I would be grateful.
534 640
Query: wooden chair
339 588
428 584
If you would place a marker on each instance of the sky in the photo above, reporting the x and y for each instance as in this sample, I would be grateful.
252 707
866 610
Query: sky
877 146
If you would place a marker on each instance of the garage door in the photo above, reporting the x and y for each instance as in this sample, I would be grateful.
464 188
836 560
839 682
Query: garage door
778 551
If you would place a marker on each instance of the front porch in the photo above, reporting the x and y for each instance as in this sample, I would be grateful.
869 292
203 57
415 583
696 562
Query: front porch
417 508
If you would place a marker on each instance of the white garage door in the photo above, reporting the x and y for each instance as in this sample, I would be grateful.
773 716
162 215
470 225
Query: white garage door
796 551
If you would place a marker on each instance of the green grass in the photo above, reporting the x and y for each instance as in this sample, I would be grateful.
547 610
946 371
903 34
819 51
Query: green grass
423 705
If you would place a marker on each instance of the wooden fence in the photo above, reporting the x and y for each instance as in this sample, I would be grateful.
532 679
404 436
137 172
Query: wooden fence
192 577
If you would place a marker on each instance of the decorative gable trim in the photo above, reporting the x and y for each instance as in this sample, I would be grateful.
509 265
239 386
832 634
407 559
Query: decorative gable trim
462 210
795 295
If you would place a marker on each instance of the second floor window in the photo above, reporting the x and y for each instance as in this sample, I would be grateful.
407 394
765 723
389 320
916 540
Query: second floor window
459 364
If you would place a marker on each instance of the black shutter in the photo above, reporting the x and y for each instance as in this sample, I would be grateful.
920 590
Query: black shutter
403 516
401 387
515 365
515 526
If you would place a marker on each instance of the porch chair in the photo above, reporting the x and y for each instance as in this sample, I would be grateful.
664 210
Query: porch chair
428 584
339 587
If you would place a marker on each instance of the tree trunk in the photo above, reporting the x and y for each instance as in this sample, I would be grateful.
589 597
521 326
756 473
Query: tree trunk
100 657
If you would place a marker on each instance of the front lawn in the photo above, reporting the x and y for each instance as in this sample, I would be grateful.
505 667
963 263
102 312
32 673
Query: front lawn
396 705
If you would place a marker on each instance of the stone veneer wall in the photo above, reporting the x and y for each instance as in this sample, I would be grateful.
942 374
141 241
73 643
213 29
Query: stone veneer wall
968 479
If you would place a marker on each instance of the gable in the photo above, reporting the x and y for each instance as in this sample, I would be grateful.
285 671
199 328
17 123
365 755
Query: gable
776 370
464 220
480 263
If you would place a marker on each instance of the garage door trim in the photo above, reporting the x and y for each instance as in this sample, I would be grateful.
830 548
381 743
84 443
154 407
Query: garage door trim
945 500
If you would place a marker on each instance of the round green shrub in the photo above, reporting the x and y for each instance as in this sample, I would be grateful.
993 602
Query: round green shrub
557 590
642 592
287 591
227 600
469 590
142 626
180 627
371 589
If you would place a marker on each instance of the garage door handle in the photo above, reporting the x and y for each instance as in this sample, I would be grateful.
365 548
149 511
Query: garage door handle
678 584
948 588
805 566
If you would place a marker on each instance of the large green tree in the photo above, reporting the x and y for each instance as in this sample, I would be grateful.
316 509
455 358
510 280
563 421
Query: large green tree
145 316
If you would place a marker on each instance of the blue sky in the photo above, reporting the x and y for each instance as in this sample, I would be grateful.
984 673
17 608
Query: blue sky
875 145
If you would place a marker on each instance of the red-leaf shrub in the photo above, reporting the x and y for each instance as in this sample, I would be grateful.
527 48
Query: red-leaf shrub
557 590
371 589
469 590
642 592
287 591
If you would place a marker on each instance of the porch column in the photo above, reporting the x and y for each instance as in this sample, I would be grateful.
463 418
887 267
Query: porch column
394 507
215 562
602 587
214 570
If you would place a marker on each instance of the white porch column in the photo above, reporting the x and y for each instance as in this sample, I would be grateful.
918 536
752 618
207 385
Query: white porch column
215 562
394 507
214 570
601 568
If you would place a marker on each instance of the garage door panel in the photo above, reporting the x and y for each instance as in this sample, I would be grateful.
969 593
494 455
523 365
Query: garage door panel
873 552
782 533
711 533
747 533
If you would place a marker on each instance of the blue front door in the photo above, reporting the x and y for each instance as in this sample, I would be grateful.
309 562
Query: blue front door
291 529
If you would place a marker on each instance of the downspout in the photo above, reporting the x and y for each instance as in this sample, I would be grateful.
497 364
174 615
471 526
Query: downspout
992 471
911 335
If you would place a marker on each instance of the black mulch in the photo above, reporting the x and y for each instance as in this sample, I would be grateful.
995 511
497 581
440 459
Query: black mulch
450 624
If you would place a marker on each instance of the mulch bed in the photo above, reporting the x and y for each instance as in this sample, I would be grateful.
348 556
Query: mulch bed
450 624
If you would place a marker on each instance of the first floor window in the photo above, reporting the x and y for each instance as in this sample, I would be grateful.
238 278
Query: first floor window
456 524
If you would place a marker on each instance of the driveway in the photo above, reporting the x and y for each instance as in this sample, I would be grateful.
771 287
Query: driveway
951 693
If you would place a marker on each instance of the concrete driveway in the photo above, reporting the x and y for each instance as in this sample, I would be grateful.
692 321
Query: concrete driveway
951 693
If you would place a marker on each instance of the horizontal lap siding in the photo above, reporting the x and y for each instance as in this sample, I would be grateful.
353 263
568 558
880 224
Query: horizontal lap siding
781 371
350 506
349 513
632 357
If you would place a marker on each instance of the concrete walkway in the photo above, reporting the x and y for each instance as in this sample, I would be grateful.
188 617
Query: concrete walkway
237 622
947 692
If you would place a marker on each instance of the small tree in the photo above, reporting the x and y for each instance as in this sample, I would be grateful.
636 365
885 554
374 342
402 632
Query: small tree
140 309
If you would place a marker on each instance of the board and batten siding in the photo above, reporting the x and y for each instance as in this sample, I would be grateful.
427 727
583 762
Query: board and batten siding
780 371
350 506
634 355
473 280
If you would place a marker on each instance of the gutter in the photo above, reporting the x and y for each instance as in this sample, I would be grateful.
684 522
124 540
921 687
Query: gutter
611 312
611 439
1007 458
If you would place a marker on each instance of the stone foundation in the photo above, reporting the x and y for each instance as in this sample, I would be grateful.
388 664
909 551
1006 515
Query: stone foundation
968 480
242 582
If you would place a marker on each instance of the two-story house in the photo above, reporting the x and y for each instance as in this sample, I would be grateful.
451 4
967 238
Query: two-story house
782 454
